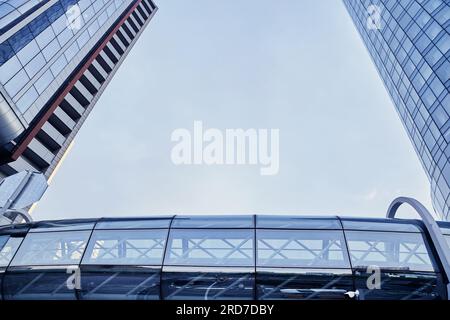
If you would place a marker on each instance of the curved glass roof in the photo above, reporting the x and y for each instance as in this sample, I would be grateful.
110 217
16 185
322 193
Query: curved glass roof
223 240
129 254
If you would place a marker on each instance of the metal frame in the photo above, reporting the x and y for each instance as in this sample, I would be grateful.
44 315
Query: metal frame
433 229
174 281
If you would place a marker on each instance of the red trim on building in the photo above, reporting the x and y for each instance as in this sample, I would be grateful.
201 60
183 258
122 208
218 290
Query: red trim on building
22 145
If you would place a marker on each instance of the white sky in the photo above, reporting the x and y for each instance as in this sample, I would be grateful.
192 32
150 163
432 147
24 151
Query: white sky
298 66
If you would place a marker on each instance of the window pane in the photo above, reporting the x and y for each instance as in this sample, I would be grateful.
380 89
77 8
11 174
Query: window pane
213 222
210 247
303 284
37 284
287 248
207 284
445 227
447 237
386 225
131 247
162 222
405 251
289 222
8 250
62 225
3 240
51 248
119 283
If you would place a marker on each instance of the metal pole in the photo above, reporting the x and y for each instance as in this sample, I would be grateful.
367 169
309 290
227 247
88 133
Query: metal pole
441 245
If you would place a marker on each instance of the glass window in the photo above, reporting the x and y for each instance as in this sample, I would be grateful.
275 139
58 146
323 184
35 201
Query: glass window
58 65
119 283
433 56
289 248
16 83
51 49
27 99
386 225
3 240
447 237
443 15
443 72
291 222
9 69
433 30
44 81
445 227
45 37
8 249
83 39
12 10
28 52
152 223
130 247
207 284
213 222
65 36
71 51
404 251
210 247
35 65
444 43
51 248
65 225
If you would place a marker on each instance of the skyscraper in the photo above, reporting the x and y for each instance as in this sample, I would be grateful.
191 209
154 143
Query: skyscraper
409 42
56 58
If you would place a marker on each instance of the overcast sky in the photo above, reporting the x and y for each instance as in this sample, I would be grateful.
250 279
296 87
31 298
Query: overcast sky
296 66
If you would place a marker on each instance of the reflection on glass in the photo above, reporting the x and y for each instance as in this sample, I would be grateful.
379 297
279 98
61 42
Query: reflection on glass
232 221
51 248
210 247
405 251
126 247
207 286
8 250
124 283
301 248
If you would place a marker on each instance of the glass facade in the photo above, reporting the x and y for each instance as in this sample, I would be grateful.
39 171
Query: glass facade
33 57
206 257
409 42
56 57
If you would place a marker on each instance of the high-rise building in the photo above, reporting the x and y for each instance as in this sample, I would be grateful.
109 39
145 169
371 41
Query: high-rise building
409 42
56 58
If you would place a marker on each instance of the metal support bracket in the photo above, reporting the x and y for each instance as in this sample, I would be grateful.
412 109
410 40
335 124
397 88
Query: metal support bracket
441 245
18 192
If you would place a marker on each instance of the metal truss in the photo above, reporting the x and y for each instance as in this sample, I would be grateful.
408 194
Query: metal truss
61 250
319 254
126 249
402 253
222 251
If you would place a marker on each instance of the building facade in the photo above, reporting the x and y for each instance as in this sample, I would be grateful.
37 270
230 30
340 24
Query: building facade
56 58
409 42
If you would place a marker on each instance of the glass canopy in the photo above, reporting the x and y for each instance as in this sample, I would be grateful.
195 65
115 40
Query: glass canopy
218 257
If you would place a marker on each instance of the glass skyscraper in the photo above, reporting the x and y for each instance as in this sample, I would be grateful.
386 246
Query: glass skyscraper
409 42
56 58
